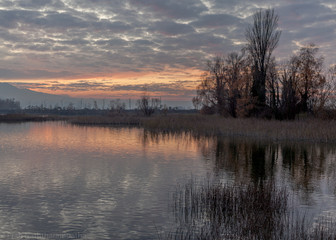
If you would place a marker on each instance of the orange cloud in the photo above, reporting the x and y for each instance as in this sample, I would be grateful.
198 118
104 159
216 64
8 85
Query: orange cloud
172 84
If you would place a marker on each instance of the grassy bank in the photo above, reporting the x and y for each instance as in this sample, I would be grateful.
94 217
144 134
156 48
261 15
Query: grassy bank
115 120
312 130
17 118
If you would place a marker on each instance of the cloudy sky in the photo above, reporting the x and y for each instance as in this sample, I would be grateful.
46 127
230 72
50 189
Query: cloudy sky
115 48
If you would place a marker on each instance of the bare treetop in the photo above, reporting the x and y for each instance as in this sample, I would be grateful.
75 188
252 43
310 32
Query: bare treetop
262 36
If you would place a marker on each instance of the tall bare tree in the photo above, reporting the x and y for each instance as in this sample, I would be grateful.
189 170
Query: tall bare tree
197 102
211 90
222 85
328 92
310 75
305 88
289 84
148 105
273 87
235 65
262 38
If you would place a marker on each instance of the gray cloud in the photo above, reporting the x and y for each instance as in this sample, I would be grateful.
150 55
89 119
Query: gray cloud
216 21
187 9
39 4
171 28
33 74
66 38
171 88
178 88
80 86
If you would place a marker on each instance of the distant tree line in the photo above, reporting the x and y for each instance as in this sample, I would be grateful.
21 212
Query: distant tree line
9 104
251 83
145 105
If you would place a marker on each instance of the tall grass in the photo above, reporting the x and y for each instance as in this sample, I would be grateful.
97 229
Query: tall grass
254 211
313 130
115 120
18 117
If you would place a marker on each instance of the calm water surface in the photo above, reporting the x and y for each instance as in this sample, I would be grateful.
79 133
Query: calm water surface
59 181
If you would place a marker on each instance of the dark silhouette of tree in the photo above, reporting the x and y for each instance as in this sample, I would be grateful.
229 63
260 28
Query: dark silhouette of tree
326 95
254 85
304 85
222 85
211 90
309 75
235 77
289 98
148 105
196 101
95 105
273 88
262 38
9 104
116 106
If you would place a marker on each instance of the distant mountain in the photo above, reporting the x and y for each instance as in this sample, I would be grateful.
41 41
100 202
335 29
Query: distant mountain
28 97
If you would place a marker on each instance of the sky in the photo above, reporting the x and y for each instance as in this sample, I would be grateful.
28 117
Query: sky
118 48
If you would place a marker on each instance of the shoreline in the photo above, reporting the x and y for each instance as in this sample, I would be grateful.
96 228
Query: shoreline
306 130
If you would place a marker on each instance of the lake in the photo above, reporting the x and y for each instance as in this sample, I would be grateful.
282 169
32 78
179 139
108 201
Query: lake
60 181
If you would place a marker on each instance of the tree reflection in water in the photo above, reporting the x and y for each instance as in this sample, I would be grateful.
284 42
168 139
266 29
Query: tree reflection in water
302 164
299 169
307 172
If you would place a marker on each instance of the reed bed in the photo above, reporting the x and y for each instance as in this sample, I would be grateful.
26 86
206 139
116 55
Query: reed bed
313 130
115 120
308 130
17 118
212 210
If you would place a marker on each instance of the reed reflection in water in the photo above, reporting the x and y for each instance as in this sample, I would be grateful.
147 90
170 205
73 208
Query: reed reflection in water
306 172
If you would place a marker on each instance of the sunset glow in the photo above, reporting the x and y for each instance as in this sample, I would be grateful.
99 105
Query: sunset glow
174 84
116 49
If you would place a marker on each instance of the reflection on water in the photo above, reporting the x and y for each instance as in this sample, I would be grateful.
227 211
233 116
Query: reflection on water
114 183
101 183
307 169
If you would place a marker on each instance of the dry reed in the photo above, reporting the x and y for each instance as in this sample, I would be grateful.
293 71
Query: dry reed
313 130
115 120
211 210
17 118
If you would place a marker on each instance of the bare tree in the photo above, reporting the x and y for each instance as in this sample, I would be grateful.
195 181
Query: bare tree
235 65
325 97
289 96
95 105
116 106
148 105
309 74
222 85
262 38
273 88
196 101
331 93
211 89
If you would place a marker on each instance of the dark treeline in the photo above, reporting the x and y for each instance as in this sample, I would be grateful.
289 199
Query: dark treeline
252 84
144 106
9 105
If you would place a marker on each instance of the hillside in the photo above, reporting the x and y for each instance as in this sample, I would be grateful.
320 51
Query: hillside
28 97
